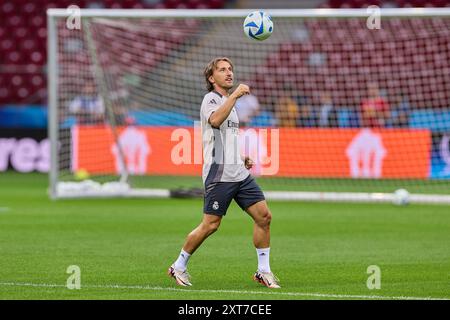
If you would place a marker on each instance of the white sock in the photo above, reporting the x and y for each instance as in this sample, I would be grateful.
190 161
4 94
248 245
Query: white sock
263 259
183 258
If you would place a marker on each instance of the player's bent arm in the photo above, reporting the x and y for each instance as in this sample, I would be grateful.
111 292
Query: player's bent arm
219 116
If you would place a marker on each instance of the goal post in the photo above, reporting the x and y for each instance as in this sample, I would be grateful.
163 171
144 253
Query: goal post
346 110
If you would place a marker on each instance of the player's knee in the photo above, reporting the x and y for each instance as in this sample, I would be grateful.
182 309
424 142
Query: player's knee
214 226
211 227
268 217
265 218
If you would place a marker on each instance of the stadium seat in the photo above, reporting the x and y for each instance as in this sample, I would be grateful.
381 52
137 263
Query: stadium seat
29 9
7 8
28 44
36 22
14 57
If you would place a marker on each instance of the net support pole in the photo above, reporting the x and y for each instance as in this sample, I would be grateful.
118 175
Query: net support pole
52 74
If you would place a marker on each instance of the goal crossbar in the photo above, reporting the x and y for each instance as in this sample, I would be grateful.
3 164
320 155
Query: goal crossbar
235 13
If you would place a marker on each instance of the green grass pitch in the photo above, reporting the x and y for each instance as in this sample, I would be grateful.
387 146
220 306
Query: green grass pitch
124 247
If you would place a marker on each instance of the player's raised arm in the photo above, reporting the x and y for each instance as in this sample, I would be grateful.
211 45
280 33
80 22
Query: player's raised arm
219 116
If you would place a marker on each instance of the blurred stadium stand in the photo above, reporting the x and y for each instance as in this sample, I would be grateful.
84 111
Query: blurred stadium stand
23 56
350 70
23 41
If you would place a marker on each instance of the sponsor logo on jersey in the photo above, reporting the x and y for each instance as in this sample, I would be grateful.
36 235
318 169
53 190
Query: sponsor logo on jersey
232 124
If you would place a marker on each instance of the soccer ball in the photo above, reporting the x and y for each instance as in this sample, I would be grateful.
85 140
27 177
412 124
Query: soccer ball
401 197
81 174
258 25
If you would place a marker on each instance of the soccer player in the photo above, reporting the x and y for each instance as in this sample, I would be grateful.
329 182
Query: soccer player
225 175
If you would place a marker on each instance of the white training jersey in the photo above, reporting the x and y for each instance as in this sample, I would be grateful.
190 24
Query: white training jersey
222 160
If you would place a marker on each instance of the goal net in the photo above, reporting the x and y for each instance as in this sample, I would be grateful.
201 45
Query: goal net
344 107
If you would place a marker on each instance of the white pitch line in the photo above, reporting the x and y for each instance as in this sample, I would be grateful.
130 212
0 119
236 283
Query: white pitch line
295 294
4 209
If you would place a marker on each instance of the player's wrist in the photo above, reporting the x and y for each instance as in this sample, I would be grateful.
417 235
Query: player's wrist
233 96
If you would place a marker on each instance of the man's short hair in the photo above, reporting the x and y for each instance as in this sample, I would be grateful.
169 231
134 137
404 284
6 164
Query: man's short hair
212 65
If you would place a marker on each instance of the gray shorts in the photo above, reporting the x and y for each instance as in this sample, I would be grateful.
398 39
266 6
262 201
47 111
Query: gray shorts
218 195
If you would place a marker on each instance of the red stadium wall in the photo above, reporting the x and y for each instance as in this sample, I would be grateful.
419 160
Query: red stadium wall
333 153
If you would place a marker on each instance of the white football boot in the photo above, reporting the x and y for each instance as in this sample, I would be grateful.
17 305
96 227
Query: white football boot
267 279
181 277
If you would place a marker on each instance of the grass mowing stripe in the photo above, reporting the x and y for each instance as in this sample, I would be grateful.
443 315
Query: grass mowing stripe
298 294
